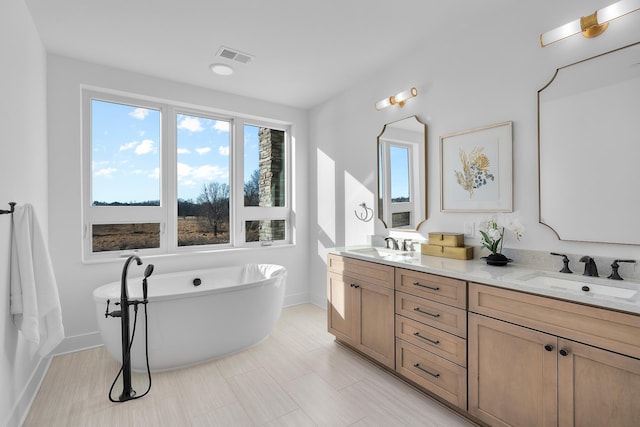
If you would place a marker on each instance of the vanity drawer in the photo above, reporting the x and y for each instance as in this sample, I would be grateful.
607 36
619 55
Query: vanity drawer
612 330
441 343
440 316
442 289
435 374
371 272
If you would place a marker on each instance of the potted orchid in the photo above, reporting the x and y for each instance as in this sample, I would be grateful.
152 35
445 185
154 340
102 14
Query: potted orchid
492 233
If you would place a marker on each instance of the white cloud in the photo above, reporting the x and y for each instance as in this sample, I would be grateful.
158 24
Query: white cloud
187 174
139 113
203 150
95 164
183 151
145 147
191 124
128 145
221 126
155 174
105 172
224 151
208 172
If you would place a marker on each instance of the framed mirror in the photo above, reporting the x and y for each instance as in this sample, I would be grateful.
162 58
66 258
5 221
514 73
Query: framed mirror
402 175
589 149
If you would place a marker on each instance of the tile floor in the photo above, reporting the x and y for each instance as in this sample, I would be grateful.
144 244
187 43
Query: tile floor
298 377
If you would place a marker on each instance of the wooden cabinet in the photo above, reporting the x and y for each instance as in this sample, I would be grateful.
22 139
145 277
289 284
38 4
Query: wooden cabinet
515 359
597 387
524 376
512 377
360 298
431 331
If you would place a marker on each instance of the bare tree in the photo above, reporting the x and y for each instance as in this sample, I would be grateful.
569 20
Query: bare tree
214 201
252 190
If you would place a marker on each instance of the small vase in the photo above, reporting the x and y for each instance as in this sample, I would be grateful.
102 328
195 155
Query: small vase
497 259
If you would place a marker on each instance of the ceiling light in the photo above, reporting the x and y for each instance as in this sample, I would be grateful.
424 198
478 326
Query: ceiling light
221 69
592 25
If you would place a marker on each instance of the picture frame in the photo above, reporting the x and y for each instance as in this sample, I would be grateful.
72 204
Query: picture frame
476 170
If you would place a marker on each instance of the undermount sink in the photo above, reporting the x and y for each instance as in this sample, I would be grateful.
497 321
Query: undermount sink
382 252
578 286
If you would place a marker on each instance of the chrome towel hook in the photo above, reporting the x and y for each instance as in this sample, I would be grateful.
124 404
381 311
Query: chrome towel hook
13 206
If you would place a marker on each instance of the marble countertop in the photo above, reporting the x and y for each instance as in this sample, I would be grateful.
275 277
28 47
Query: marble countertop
623 295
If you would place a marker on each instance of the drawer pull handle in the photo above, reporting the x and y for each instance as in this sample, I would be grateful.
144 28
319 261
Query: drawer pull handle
417 334
433 288
419 310
353 285
433 374
564 352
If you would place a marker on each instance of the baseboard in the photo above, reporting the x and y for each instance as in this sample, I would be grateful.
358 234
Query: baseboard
20 410
78 342
319 300
296 299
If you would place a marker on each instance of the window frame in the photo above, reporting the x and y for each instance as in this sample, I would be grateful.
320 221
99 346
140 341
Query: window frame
167 213
397 207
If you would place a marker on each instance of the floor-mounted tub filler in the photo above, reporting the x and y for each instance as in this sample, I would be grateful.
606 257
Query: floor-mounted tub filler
194 316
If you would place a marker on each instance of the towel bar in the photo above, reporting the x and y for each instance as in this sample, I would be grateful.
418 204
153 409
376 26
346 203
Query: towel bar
3 211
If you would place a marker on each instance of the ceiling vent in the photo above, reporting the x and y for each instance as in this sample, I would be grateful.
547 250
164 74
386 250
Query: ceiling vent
234 55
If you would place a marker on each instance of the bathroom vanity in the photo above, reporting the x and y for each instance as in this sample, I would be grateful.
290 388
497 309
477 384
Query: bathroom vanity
504 345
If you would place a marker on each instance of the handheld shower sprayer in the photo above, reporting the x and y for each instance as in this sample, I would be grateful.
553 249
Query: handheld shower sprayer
147 273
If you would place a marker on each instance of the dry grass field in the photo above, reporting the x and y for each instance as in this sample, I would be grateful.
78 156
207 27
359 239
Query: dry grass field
191 231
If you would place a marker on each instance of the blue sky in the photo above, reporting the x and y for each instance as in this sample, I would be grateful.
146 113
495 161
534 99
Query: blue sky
399 162
126 153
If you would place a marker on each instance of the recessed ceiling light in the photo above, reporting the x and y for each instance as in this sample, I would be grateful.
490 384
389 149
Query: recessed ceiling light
221 69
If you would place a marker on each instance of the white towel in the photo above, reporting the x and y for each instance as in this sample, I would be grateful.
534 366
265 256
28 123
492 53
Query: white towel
35 304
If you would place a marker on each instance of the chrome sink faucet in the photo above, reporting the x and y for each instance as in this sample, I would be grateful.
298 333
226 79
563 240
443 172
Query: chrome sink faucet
590 268
393 241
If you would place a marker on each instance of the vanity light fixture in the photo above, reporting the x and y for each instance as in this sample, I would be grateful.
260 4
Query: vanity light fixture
591 25
398 99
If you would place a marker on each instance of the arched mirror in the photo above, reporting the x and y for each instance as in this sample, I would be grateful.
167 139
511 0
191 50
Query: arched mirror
402 175
589 149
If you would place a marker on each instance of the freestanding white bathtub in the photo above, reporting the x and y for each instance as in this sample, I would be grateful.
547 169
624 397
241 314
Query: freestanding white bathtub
233 308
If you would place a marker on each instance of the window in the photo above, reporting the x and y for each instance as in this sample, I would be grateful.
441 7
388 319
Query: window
396 192
158 178
203 180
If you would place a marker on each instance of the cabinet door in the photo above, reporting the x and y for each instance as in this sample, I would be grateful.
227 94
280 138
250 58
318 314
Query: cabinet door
597 387
343 308
377 323
512 374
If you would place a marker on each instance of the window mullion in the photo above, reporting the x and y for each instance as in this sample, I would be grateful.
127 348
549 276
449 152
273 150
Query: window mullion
237 190
169 179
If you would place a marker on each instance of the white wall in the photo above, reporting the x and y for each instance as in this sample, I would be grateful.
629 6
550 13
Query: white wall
483 70
23 179
76 281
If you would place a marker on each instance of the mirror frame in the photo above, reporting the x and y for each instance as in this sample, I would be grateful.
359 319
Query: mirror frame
422 163
541 219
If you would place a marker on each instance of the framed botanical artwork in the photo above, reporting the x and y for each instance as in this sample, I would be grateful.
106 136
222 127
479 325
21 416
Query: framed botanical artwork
476 170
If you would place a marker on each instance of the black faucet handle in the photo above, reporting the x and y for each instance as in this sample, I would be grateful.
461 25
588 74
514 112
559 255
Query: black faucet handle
565 260
614 268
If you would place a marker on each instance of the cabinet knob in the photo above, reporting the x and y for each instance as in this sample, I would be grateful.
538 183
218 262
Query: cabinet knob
564 352
353 285
548 347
